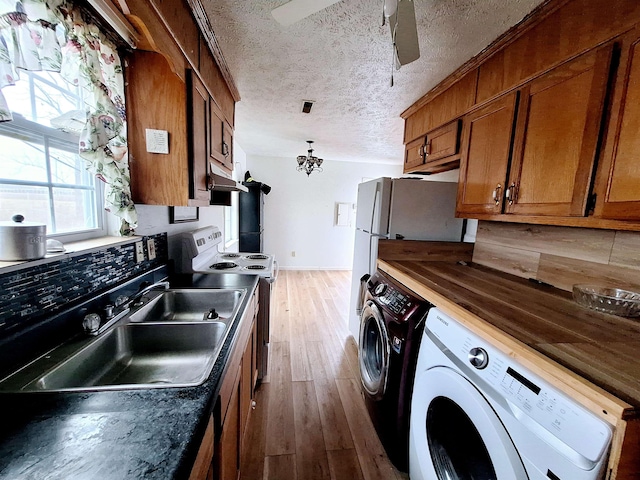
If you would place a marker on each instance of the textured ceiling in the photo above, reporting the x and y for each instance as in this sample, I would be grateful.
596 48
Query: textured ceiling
341 58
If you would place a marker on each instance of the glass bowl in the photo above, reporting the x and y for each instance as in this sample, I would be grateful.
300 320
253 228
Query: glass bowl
608 299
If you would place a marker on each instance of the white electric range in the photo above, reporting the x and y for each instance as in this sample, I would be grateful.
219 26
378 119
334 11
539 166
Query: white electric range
200 254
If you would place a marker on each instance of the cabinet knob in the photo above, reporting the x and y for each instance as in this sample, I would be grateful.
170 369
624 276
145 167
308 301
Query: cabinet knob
496 194
225 149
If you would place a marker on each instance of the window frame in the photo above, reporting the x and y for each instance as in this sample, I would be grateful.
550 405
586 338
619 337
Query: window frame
49 137
232 222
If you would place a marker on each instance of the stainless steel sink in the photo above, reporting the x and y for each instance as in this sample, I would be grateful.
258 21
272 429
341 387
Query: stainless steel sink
186 305
164 343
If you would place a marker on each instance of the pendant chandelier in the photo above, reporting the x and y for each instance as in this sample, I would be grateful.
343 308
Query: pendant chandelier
309 163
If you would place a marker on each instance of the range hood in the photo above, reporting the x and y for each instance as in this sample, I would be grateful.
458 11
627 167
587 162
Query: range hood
218 183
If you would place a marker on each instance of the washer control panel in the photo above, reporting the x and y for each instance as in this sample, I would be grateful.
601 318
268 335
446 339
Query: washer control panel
393 300
538 403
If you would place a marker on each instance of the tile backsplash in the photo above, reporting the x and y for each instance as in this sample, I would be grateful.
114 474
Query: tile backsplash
31 294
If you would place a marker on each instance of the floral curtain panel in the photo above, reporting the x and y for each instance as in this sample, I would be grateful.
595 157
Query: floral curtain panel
52 35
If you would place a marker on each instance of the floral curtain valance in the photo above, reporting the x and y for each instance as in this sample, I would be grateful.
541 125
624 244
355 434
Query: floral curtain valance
52 35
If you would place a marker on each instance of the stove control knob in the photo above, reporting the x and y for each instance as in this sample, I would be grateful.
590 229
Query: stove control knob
478 357
380 289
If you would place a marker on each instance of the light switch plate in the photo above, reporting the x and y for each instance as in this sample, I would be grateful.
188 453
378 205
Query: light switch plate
139 252
157 141
151 248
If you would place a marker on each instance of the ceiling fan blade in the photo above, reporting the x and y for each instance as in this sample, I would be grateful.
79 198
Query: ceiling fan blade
295 10
406 35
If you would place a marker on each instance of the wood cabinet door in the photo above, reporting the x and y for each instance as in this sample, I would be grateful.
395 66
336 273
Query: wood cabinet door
203 467
414 154
157 99
485 151
227 146
620 172
246 390
254 355
216 133
198 165
229 457
442 142
556 140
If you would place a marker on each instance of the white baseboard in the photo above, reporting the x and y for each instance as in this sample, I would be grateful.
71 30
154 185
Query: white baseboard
281 267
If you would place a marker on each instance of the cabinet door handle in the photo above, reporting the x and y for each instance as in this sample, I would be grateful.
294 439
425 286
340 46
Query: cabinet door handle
421 152
496 194
510 194
427 149
225 149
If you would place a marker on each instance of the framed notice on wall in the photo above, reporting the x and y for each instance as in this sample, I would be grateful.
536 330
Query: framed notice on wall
183 214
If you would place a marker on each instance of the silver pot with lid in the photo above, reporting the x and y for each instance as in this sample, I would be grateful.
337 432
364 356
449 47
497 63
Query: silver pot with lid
20 240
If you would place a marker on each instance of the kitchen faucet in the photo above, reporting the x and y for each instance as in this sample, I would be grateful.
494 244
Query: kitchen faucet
92 323
135 300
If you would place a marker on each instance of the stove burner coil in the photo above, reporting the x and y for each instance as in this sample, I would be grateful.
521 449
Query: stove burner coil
257 257
231 255
256 267
223 266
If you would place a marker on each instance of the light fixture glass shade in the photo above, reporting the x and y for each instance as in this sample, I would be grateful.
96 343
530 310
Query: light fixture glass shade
390 7
309 163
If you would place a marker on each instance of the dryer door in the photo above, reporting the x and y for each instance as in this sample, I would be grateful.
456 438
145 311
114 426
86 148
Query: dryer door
374 351
455 434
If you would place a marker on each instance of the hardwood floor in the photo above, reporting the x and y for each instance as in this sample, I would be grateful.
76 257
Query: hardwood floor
310 420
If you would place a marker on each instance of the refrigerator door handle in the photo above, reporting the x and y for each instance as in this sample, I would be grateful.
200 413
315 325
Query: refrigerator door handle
375 218
364 281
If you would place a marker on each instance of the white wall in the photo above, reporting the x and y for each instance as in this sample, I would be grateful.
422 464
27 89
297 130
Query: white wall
300 210
155 219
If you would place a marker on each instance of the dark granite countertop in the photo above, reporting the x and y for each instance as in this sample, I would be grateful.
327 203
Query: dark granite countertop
114 435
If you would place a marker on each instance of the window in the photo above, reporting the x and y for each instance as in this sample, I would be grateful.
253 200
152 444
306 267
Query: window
42 176
231 221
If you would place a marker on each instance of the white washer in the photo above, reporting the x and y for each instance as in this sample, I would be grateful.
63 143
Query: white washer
478 414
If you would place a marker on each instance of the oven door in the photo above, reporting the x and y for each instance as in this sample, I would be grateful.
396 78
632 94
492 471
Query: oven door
455 434
374 351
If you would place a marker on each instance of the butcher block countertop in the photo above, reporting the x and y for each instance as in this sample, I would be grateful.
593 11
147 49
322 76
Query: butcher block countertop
595 357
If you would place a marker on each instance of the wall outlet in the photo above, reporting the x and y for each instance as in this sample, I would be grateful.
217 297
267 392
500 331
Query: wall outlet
151 248
139 252
293 254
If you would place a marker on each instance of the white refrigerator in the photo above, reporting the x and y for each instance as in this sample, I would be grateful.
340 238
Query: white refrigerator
399 208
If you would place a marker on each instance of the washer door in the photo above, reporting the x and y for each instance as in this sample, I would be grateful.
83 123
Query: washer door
374 351
455 434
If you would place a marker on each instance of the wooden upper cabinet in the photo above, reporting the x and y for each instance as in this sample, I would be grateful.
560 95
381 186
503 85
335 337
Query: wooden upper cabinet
486 145
442 142
214 81
618 186
156 178
177 16
574 27
199 135
429 114
432 153
414 154
220 138
227 146
555 146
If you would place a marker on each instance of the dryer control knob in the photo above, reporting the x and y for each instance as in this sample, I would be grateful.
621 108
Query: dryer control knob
380 289
478 357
